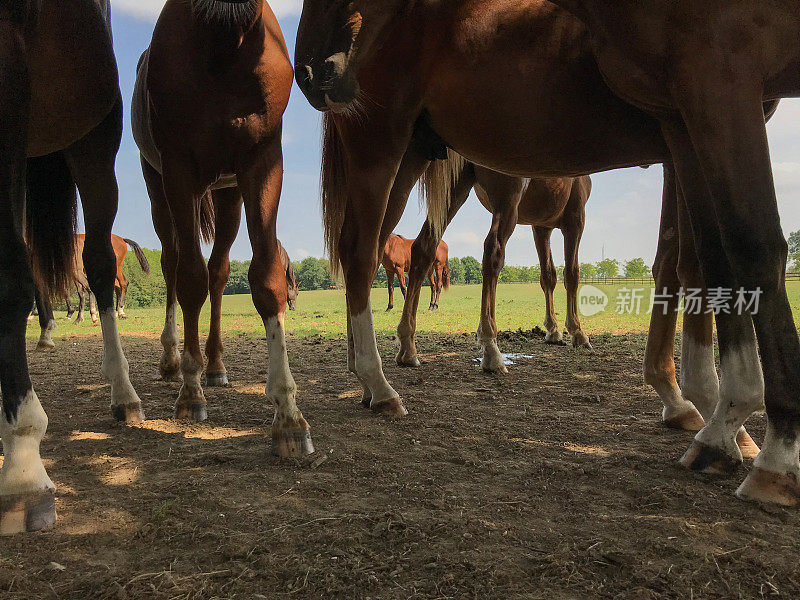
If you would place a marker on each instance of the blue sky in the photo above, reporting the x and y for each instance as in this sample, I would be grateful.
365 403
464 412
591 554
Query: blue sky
622 214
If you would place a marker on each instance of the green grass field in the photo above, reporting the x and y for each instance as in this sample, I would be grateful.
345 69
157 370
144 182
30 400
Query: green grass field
323 313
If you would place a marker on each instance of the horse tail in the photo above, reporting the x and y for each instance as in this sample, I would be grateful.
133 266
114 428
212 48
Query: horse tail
207 223
436 186
51 220
137 250
333 184
446 276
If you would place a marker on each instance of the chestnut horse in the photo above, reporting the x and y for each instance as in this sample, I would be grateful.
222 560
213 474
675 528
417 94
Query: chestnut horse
45 308
397 261
544 204
703 70
64 140
403 81
207 115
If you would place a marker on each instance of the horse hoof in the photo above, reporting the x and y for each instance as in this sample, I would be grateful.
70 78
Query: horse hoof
292 441
217 379
555 338
45 346
77 321
170 372
392 407
129 414
747 445
691 420
194 413
20 513
495 369
413 362
388 308
709 459
366 401
773 488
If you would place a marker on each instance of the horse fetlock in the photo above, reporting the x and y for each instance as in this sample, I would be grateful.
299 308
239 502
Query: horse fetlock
26 491
492 361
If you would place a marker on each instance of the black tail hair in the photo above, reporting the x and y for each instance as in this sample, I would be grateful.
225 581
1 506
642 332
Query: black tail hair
51 221
137 250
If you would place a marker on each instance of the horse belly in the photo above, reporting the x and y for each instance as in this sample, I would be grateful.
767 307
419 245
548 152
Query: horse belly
74 81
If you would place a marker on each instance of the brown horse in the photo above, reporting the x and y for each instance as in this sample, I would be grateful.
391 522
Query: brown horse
63 140
207 114
544 204
703 70
397 261
45 308
403 82
466 68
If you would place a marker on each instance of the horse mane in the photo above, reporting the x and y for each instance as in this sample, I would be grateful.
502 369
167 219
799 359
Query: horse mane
436 187
333 188
241 13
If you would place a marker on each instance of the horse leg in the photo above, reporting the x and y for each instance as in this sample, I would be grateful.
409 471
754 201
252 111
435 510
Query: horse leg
81 302
659 357
121 291
91 161
261 188
27 500
732 252
93 307
572 229
169 366
390 283
699 380
423 255
432 281
183 196
439 285
46 322
401 279
70 308
227 215
504 220
547 279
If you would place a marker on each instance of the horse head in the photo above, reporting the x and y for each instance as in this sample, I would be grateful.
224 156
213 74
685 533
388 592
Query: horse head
333 38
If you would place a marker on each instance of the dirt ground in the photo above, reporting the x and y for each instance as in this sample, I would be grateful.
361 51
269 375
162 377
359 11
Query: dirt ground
556 481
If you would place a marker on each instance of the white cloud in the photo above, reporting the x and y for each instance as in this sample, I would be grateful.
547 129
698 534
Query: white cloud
149 9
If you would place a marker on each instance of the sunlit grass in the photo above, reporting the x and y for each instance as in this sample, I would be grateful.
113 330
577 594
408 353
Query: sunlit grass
323 313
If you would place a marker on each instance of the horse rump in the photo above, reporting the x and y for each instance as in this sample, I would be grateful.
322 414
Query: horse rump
51 221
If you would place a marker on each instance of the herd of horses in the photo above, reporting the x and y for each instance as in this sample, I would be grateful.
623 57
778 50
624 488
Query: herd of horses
519 100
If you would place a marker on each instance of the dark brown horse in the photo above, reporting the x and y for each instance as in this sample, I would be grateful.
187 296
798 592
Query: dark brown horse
542 203
471 80
703 70
207 114
397 261
64 140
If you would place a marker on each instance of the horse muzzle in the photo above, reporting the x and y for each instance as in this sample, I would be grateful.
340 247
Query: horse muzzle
328 87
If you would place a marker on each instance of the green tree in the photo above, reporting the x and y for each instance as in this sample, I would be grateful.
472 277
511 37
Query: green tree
314 274
636 267
793 264
608 268
144 290
238 282
473 272
456 271
587 270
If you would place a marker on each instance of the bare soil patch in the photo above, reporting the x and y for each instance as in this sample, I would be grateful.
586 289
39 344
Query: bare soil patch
555 481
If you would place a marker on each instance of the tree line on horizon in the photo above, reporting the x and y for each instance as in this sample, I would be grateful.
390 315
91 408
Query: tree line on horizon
315 274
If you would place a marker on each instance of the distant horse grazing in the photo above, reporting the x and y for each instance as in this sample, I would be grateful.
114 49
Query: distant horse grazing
704 70
207 112
292 287
543 203
68 139
397 261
